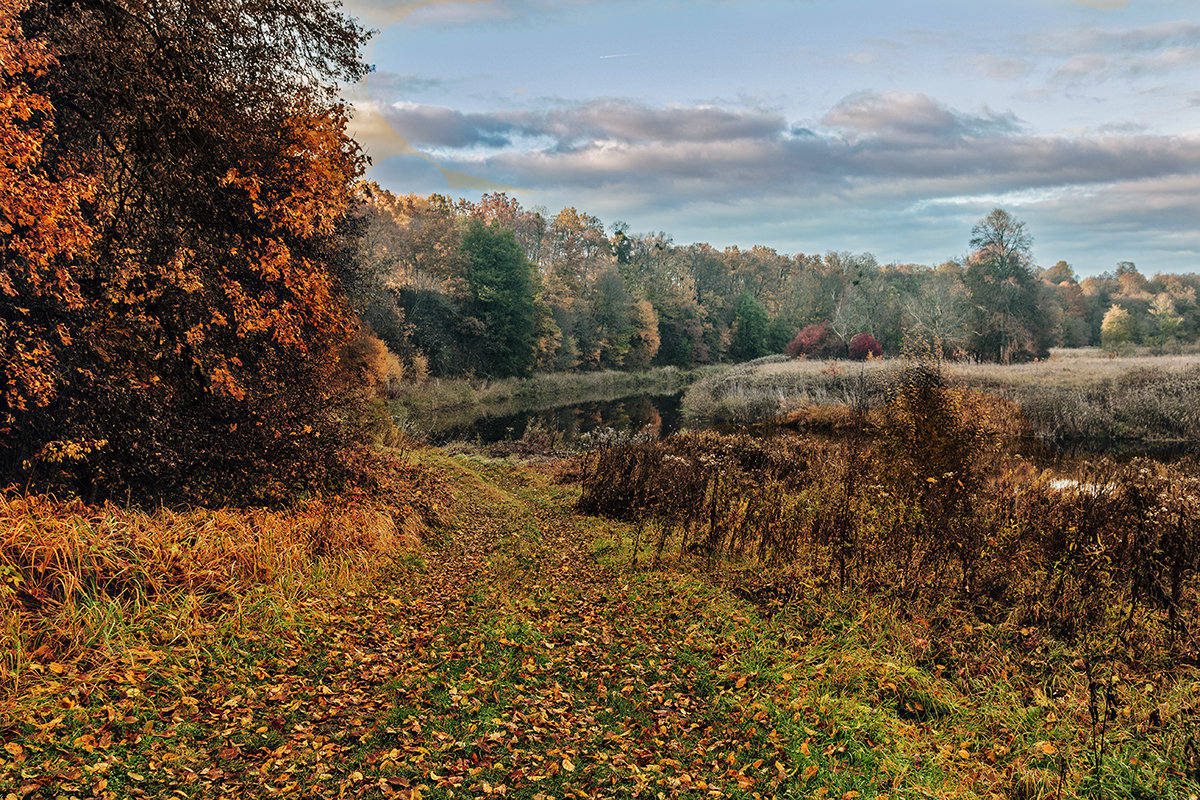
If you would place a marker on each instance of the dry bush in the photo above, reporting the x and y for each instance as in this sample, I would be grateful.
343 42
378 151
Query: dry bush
930 513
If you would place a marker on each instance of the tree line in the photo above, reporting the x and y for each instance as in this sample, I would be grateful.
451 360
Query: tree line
490 288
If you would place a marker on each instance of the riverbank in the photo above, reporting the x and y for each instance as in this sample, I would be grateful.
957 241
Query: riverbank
441 404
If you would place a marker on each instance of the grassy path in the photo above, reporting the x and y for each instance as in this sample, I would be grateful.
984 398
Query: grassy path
509 660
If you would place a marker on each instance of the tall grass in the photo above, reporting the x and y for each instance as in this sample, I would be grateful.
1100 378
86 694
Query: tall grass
77 581
1082 400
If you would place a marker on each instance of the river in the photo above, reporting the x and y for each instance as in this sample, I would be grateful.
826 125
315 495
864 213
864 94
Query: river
659 415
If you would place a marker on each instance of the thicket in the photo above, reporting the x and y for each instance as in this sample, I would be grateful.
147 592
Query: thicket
927 508
175 182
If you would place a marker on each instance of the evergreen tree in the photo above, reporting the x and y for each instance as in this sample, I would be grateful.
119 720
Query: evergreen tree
502 290
750 329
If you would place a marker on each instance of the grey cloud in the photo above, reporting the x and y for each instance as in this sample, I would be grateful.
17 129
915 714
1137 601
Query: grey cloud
1003 69
912 116
627 121
1095 53
577 126
1170 59
444 127
1129 40
1083 66
389 86
865 138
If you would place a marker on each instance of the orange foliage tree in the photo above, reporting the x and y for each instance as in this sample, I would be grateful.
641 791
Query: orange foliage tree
195 158
41 231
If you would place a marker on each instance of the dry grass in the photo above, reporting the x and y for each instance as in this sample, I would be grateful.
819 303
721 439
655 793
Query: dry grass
78 582
927 508
1077 398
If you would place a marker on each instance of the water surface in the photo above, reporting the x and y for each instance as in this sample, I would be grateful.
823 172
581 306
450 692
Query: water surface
658 415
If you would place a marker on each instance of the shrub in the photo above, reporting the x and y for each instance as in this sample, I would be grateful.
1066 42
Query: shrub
929 515
864 345
817 341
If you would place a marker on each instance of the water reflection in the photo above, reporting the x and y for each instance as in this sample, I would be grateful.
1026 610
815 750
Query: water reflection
659 415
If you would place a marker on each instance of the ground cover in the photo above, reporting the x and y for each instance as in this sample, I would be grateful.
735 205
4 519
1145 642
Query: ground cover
517 652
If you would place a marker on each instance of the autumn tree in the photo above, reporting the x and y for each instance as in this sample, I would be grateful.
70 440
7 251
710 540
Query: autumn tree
1004 293
42 237
751 327
205 349
817 340
1117 328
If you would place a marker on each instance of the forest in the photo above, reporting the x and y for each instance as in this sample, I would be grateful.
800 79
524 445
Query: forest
587 297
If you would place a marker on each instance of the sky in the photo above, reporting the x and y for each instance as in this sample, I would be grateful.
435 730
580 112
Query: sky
805 125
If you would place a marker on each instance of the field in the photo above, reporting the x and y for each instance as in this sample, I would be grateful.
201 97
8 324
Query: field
1077 399
913 611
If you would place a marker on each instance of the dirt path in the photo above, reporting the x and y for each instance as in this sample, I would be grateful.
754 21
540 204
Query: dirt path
504 661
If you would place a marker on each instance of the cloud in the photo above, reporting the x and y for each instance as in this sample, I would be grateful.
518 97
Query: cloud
578 125
443 127
1099 53
1084 66
911 116
865 142
385 86
1002 69
1126 40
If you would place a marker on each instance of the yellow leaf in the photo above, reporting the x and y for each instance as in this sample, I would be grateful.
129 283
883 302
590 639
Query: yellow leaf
567 765
13 749
804 748
810 771
57 668
740 682
850 795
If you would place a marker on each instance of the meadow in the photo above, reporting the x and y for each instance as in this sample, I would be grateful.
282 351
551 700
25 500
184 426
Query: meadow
1077 399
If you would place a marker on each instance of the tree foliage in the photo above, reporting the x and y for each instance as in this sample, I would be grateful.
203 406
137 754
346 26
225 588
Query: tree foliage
751 327
502 291
1004 292
197 352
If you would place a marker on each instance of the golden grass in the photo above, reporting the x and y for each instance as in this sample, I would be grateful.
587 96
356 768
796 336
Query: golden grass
74 578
